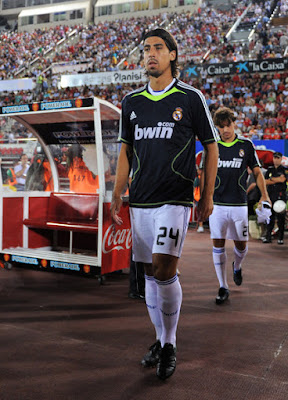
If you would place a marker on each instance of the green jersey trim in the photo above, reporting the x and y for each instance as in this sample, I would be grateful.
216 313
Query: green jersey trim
230 144
239 181
160 96
216 187
138 162
178 155
212 140
124 141
256 165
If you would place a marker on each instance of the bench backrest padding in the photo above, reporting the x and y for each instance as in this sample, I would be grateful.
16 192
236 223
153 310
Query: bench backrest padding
73 207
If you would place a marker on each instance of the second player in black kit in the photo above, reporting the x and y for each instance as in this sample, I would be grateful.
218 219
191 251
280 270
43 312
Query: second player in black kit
229 219
234 157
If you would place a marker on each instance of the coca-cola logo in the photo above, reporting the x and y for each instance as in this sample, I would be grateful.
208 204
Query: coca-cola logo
116 239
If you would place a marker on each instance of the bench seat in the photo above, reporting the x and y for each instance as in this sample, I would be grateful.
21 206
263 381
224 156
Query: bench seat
76 212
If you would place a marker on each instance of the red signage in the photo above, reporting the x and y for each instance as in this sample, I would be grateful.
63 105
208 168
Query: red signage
117 241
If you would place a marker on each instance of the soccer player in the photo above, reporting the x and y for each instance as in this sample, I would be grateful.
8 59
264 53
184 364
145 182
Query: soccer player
159 124
229 219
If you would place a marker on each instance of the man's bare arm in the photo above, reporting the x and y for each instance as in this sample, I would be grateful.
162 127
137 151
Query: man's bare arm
121 179
260 181
205 206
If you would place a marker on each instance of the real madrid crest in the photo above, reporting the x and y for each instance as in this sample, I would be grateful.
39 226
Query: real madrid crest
177 114
241 153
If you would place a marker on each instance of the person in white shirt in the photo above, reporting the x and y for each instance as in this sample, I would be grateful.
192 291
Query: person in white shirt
21 170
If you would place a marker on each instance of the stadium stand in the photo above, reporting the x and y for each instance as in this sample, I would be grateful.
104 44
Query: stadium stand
200 37
19 49
196 38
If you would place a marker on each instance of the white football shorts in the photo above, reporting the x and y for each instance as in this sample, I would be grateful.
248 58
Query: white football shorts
158 230
227 222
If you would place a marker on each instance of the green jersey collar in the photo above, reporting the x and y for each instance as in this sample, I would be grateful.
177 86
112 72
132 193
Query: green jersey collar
229 144
149 96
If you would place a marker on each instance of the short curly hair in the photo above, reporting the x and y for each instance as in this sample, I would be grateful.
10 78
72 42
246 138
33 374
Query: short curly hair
223 116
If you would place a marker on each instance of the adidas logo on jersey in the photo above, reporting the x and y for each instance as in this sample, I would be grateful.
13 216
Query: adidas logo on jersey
132 115
235 163
164 130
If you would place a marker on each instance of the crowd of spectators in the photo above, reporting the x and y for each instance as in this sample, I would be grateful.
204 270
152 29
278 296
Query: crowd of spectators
283 8
204 31
201 37
18 49
266 42
200 34
107 43
103 45
260 101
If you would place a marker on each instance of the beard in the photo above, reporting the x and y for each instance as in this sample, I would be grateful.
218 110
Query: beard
155 74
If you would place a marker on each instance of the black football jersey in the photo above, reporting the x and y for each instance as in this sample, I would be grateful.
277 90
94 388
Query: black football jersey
231 180
162 130
278 190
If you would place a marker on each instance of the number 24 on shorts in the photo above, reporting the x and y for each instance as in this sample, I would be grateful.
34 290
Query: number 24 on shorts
164 235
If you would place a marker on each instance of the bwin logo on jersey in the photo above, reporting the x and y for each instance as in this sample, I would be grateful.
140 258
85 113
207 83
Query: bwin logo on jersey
235 163
155 132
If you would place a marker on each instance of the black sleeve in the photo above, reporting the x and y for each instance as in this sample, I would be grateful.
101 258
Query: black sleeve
202 120
253 160
283 171
126 134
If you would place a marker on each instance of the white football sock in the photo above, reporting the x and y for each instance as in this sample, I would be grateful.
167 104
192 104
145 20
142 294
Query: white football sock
151 303
219 259
169 295
239 256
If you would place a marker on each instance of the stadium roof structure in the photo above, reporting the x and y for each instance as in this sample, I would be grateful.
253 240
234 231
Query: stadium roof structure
52 9
103 3
59 111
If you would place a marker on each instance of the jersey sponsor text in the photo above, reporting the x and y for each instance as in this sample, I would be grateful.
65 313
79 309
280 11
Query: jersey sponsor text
235 163
164 130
